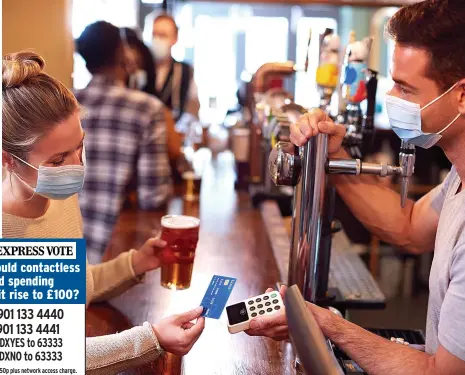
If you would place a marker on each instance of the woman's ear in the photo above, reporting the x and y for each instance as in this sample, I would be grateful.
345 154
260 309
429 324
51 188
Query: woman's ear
461 96
8 162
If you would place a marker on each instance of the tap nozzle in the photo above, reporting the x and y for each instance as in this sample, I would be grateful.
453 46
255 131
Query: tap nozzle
407 165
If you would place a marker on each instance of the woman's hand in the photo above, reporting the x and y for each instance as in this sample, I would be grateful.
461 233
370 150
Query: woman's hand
151 255
314 122
177 334
272 326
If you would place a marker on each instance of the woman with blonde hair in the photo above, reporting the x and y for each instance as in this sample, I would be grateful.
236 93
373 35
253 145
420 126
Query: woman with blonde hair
44 164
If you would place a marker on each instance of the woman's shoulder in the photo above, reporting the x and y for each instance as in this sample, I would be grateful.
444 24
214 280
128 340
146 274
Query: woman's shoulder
62 219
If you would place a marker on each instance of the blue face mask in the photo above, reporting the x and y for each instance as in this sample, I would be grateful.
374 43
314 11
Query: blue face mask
405 120
58 182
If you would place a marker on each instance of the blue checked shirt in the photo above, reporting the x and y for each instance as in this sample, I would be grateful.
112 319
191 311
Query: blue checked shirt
125 145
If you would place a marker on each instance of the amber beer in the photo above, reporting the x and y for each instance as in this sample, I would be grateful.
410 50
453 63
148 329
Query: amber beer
192 184
181 234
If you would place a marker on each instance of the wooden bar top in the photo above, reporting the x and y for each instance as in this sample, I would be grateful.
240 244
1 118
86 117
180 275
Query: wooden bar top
233 242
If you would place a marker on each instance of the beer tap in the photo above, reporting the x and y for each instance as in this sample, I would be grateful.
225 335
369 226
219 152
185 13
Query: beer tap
358 84
360 133
327 72
282 119
313 199
306 168
285 165
258 86
407 165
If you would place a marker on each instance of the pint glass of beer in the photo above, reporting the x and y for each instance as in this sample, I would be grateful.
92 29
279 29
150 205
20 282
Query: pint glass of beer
181 234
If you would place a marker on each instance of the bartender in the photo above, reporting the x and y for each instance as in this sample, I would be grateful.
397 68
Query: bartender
426 106
174 81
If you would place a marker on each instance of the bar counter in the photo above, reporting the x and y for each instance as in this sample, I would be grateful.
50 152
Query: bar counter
233 242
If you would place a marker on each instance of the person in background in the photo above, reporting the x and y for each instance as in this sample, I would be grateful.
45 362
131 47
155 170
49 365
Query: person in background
175 84
139 62
426 106
141 73
44 161
126 141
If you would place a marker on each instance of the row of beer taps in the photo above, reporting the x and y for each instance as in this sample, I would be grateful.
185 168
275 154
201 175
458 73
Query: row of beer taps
306 168
357 85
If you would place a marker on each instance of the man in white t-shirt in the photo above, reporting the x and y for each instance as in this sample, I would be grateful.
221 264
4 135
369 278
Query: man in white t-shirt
426 106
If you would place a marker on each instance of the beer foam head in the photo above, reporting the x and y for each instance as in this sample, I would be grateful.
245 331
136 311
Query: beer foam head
189 175
179 222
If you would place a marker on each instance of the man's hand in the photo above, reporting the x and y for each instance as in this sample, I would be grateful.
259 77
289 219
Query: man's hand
275 326
314 122
177 334
374 354
272 326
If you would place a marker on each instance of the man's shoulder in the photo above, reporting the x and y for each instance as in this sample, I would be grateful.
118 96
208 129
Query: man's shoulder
458 254
460 246
441 192
453 174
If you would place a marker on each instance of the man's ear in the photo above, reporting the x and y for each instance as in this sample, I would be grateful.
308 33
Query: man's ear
461 96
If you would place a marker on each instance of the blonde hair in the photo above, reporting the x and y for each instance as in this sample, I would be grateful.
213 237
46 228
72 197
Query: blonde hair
33 103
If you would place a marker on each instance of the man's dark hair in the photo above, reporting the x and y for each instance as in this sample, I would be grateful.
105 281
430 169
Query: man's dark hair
165 16
98 45
437 27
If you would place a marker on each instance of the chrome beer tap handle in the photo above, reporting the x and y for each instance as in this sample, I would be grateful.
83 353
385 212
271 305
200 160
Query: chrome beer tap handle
284 164
284 161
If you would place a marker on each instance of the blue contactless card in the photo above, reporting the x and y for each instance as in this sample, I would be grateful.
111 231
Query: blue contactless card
217 295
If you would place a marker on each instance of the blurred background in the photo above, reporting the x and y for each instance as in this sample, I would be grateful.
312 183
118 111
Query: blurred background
225 42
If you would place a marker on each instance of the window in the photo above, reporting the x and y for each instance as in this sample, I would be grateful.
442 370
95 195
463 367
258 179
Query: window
306 93
266 40
215 61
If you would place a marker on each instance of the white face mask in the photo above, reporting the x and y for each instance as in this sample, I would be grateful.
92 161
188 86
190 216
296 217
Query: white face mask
405 120
161 48
57 182
138 79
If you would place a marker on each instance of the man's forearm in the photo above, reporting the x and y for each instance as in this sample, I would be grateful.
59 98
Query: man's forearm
378 208
374 354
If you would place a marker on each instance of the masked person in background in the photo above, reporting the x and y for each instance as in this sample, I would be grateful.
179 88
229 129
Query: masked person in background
175 84
426 106
140 63
43 154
